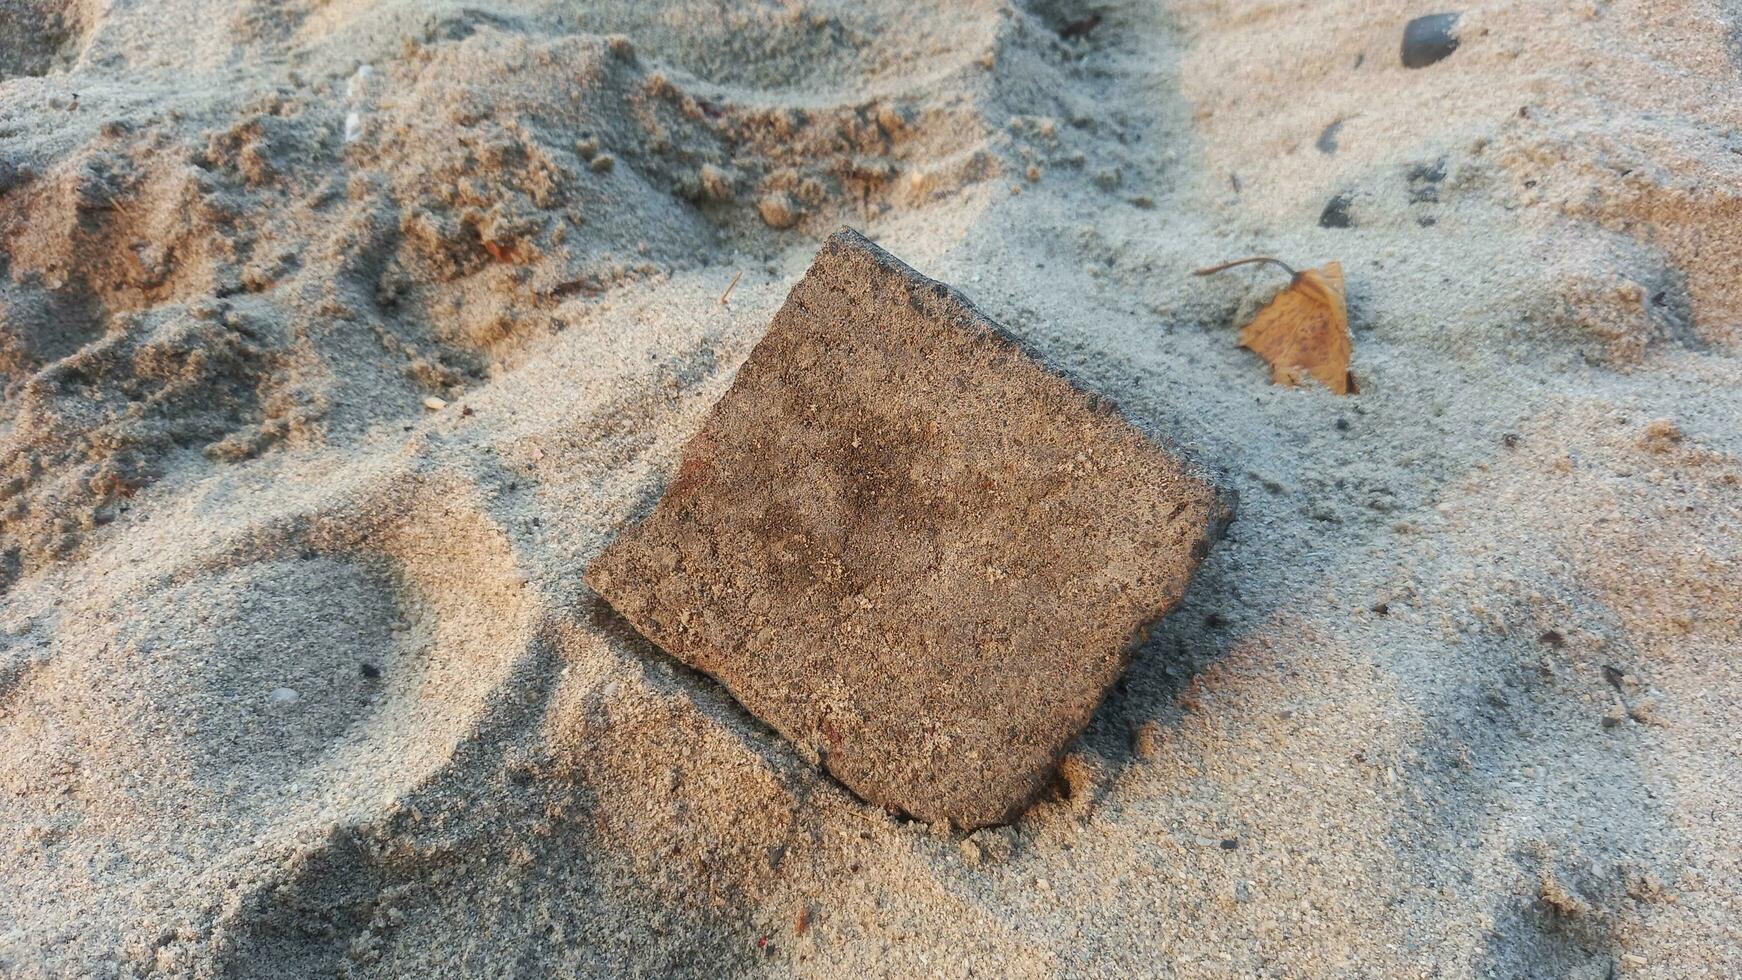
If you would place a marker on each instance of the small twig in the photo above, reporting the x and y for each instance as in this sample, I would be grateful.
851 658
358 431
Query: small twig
1256 258
731 287
116 205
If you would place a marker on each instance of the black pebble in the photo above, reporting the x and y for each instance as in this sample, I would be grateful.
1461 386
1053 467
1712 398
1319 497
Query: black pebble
1428 39
1509 440
1424 180
1230 844
370 671
1342 425
1553 638
1327 141
1336 213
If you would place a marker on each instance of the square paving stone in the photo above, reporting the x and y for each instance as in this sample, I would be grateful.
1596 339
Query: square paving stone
908 546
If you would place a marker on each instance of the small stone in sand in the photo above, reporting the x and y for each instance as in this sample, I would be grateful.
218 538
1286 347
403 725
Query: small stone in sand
435 404
1644 712
1424 181
603 163
1336 213
1429 39
777 210
1327 141
970 851
716 184
283 697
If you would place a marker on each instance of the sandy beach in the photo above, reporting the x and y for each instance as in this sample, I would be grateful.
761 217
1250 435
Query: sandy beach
337 337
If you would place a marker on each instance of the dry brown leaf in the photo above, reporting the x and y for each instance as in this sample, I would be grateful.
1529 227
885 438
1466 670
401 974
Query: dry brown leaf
1304 330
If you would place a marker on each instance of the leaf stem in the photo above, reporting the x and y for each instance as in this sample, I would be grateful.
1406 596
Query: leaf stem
1256 258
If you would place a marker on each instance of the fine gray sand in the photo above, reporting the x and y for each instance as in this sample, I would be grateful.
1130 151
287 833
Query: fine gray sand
338 337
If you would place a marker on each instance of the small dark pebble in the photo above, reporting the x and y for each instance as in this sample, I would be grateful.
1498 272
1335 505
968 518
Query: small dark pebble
1427 222
1614 676
1429 39
1382 608
1327 141
1342 425
1510 440
370 671
1336 213
1230 844
1215 621
1424 181
1553 638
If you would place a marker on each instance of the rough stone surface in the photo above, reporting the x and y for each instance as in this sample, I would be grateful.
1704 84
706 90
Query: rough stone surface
909 547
